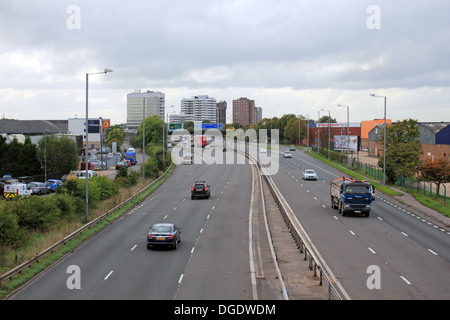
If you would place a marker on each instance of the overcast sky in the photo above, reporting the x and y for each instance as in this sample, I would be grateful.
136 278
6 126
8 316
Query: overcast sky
289 56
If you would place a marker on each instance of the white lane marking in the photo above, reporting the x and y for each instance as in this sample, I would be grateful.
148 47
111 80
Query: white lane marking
181 278
433 252
371 250
134 247
404 279
108 275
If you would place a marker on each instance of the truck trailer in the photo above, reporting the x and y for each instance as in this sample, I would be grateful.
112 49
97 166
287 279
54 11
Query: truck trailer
351 196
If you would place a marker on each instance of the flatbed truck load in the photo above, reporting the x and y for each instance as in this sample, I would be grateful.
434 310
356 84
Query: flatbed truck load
351 196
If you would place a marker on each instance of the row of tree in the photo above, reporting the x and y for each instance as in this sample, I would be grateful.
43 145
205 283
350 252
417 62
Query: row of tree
51 154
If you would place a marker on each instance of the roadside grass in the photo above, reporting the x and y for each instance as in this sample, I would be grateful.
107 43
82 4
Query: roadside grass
39 242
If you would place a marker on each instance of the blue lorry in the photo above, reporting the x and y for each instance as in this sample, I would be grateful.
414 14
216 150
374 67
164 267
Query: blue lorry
351 196
130 154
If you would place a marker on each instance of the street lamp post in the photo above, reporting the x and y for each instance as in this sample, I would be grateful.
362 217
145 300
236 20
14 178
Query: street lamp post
329 131
348 129
384 143
86 155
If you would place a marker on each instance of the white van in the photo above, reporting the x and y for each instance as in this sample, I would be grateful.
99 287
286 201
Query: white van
91 173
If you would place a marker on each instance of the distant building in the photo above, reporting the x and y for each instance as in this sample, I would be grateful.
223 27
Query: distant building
245 112
154 105
222 112
367 126
199 108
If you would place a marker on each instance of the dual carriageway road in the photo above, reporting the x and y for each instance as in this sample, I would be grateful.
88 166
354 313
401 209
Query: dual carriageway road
212 261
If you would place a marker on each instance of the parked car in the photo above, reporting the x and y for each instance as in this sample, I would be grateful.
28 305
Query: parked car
167 234
309 174
90 174
287 154
200 189
39 188
98 164
53 184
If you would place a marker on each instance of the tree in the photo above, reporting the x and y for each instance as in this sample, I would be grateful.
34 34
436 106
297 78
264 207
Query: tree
437 171
115 134
57 154
402 149
153 132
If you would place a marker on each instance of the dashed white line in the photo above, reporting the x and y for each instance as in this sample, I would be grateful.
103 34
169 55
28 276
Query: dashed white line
108 275
134 247
181 278
404 234
404 279
433 252
371 250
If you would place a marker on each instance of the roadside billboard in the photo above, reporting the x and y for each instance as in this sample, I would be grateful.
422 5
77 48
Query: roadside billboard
341 144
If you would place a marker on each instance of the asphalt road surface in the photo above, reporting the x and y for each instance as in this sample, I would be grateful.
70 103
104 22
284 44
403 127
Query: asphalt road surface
395 253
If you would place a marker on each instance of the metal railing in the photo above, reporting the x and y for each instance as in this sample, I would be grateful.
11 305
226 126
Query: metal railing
18 269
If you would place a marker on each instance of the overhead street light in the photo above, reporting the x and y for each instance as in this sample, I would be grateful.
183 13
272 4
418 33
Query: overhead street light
87 139
329 130
384 144
348 129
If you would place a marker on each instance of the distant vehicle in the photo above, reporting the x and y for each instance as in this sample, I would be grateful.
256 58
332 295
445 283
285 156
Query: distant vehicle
202 141
351 196
38 188
262 150
121 164
292 148
91 174
200 189
53 184
187 158
287 154
98 164
13 190
131 156
309 174
167 234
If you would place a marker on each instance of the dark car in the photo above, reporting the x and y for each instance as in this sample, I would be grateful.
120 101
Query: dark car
167 234
200 189
291 148
53 184
39 188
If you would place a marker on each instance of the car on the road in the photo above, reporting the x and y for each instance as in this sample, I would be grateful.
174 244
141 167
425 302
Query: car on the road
39 188
53 184
309 174
200 189
167 234
292 148
121 164
287 154
263 150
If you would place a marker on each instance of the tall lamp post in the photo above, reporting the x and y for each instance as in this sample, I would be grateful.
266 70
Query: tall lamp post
329 131
348 129
86 155
384 143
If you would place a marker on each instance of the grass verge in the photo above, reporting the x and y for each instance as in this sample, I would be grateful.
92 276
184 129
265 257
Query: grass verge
9 286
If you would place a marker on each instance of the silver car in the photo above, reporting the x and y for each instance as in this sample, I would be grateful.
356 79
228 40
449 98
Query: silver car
309 174
287 154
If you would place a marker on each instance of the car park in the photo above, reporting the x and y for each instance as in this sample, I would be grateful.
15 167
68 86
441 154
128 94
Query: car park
39 188
287 154
53 184
200 189
309 174
164 234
